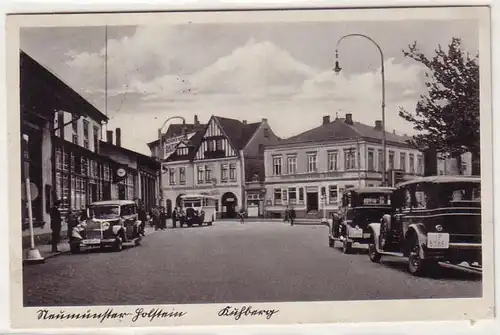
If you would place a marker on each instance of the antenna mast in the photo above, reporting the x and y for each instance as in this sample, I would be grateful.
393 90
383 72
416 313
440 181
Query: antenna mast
106 74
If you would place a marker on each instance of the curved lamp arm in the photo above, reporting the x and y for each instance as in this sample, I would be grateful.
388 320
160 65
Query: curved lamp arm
172 118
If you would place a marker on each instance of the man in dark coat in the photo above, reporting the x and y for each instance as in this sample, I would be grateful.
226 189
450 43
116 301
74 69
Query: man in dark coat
291 215
55 224
174 217
72 220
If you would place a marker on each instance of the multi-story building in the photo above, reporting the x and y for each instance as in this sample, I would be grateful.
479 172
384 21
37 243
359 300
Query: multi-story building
211 160
141 179
309 171
60 144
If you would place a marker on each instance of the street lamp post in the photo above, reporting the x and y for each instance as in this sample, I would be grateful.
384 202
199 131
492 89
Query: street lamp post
337 70
161 134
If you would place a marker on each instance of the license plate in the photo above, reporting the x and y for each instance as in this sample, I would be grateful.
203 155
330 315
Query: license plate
356 233
91 241
438 240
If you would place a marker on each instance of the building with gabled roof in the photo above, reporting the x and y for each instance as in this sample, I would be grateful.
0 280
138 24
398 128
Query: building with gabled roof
214 159
309 171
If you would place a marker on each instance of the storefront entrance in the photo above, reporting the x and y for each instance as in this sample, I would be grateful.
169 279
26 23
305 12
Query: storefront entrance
229 204
312 201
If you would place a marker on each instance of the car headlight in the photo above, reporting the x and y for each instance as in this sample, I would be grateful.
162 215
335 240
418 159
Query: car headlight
105 225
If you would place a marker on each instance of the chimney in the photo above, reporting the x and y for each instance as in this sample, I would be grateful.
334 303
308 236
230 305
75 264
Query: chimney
196 121
264 120
109 136
394 131
326 119
118 137
348 119
378 125
244 121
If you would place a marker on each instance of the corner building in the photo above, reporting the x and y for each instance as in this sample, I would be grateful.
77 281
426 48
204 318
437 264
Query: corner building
310 171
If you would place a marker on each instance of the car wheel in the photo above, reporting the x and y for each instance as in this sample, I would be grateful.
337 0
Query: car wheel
118 244
74 248
374 255
346 247
416 265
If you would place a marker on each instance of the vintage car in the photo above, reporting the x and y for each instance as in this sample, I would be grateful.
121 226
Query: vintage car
433 219
359 207
197 209
111 223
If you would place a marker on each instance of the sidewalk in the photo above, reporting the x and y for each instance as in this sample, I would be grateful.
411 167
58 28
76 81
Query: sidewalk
63 247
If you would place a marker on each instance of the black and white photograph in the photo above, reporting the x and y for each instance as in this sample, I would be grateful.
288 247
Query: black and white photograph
241 167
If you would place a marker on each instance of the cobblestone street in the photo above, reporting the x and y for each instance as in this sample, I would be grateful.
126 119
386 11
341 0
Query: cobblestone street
231 262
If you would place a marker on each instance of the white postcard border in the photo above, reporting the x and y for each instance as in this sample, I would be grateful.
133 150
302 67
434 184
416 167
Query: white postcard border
289 312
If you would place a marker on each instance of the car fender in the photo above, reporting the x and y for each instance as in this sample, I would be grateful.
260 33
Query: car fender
375 231
117 228
76 234
419 230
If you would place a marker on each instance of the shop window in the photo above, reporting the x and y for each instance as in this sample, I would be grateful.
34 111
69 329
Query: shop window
277 196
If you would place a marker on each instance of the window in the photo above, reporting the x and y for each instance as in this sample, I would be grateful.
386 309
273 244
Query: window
223 173
301 195
96 139
292 195
311 162
420 165
371 160
85 134
261 149
284 195
380 161
402 161
74 126
266 132
171 176
210 145
350 159
277 196
75 139
218 144
277 166
208 173
182 175
333 194
420 198
182 151
391 160
200 174
412 163
292 164
333 161
232 172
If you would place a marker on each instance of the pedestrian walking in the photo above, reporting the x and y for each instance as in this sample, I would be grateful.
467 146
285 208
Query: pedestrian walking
163 219
55 224
142 216
287 214
241 214
156 218
72 220
174 217
291 215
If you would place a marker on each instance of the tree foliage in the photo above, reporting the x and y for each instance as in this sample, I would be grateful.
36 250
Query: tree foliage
447 117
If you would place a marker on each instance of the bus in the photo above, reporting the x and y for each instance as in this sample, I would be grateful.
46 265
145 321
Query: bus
198 209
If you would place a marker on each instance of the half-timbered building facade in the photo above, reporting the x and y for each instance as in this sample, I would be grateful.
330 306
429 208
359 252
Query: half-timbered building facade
212 161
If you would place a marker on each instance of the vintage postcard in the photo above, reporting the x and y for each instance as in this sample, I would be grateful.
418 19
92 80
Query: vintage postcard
250 167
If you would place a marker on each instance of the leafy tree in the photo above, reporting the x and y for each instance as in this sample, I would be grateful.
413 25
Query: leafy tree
447 117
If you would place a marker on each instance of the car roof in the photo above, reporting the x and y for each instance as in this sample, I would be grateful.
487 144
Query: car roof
375 189
441 179
113 202
190 196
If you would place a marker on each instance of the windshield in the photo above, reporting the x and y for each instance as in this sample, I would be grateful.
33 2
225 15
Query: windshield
104 212
460 192
192 203
374 199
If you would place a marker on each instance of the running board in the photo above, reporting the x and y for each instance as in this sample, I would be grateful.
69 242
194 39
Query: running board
387 253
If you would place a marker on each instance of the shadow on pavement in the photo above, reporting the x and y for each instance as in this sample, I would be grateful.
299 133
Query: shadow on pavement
440 273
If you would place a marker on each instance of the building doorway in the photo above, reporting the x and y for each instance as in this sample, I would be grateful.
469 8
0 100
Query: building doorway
312 201
106 191
169 208
229 203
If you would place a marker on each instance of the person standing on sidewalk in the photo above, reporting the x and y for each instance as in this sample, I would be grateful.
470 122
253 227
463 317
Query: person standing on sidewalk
55 224
142 216
174 217
241 214
291 215
287 214
163 219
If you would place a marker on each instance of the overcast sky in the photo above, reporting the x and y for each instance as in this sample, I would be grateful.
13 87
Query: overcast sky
281 71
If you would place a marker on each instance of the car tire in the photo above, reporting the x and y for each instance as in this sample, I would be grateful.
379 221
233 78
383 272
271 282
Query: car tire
346 247
373 254
118 244
74 248
416 265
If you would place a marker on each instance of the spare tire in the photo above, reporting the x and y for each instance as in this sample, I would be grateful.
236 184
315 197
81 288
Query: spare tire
190 213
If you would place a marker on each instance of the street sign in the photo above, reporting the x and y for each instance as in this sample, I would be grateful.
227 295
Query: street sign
33 191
